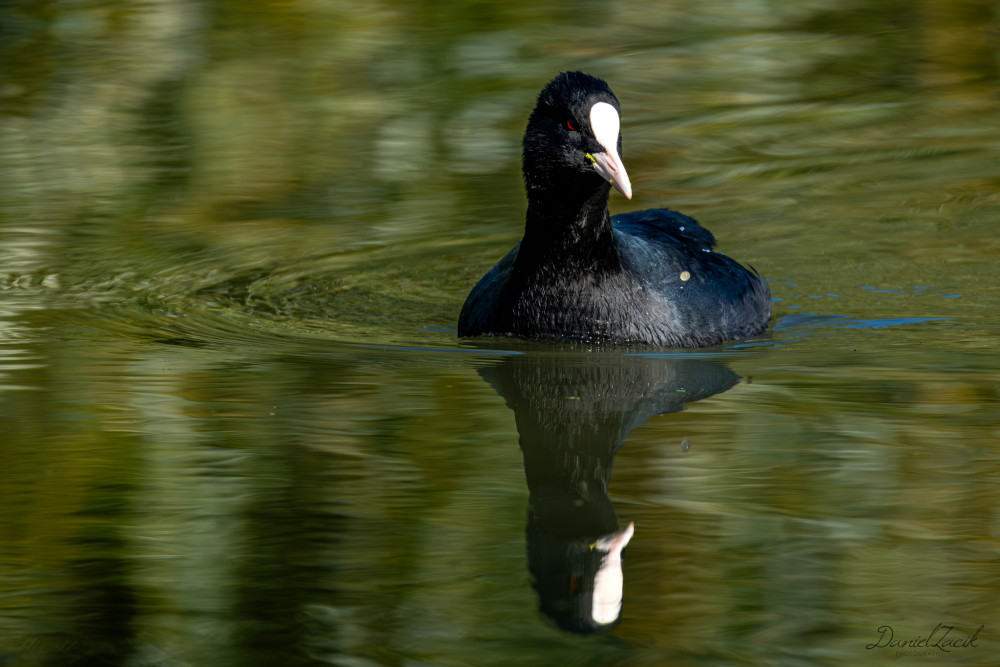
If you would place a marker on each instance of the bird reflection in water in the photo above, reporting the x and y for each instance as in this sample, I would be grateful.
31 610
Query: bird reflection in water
572 413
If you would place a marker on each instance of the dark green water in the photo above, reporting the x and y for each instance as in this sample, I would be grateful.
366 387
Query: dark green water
238 428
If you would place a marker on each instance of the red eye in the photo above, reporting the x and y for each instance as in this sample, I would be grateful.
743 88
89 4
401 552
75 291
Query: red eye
570 126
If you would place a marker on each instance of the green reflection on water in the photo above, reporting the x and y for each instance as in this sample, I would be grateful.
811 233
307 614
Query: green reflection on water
203 205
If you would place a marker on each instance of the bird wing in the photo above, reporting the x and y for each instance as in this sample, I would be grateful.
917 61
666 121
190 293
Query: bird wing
671 254
655 223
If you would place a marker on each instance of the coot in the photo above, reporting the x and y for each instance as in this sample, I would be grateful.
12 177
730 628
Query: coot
643 277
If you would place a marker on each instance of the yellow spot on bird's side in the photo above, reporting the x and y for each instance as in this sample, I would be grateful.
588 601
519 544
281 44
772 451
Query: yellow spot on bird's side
685 276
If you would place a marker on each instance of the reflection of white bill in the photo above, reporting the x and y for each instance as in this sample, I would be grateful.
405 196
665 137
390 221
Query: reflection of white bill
607 604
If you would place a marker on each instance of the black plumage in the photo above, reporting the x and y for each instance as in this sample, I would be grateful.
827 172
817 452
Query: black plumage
643 277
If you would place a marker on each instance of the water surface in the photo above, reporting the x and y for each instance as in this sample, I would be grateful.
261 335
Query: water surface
239 428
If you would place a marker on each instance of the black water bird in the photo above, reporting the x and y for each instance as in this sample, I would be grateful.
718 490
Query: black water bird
643 277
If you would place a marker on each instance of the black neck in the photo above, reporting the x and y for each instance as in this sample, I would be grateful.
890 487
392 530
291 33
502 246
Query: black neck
570 227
